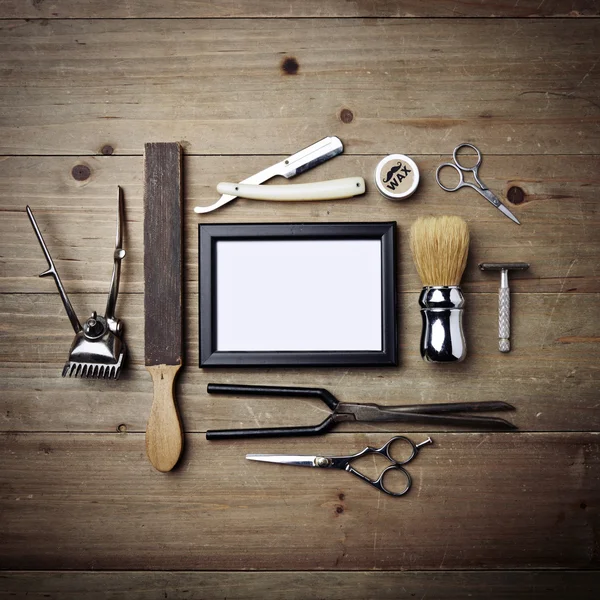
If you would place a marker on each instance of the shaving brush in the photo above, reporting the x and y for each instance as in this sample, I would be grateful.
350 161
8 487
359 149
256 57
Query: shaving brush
439 247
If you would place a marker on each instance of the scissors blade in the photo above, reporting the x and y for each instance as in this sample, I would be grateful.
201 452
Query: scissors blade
507 212
297 460
493 199
452 407
374 413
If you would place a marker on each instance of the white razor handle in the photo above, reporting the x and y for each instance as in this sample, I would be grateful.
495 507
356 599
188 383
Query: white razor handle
320 190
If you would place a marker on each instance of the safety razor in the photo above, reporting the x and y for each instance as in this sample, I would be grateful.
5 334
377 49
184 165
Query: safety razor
504 299
98 350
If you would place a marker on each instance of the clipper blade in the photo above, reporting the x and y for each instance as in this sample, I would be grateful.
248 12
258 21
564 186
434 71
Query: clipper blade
93 370
99 356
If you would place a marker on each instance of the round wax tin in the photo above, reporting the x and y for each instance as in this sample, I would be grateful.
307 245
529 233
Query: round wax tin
397 177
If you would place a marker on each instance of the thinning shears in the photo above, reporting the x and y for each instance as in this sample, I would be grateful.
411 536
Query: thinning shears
481 188
389 450
434 414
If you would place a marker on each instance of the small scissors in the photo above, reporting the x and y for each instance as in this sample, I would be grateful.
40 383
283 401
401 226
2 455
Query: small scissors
343 462
481 187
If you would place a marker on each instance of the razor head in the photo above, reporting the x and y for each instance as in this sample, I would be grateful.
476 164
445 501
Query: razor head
507 266
96 353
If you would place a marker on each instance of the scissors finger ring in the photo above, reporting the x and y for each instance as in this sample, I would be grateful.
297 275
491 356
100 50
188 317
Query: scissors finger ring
457 161
461 179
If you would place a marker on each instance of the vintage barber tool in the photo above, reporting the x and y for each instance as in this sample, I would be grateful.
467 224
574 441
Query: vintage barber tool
302 161
432 414
334 189
163 264
481 188
504 299
98 349
397 177
440 246
392 450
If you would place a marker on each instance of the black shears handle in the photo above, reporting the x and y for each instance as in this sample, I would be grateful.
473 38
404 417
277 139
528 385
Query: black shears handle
272 390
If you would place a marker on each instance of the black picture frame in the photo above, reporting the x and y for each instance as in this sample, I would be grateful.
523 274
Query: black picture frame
210 234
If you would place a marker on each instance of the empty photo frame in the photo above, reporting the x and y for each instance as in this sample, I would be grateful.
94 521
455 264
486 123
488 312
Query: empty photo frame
297 294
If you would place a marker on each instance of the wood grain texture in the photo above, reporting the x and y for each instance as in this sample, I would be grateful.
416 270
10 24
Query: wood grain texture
551 378
93 502
259 86
163 254
301 585
111 9
560 235
491 515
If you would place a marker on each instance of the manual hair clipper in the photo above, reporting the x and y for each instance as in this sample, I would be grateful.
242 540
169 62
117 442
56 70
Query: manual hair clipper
98 349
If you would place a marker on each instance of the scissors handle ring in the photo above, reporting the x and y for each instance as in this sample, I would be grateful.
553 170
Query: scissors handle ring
386 450
379 483
476 166
461 179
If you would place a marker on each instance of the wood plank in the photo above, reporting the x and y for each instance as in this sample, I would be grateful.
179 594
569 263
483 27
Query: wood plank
554 363
551 376
351 585
68 9
258 86
93 502
560 212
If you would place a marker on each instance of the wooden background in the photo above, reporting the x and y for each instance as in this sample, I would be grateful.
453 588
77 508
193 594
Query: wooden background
495 515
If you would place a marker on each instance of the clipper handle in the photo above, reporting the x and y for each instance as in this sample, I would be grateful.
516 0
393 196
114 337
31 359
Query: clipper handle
118 255
51 270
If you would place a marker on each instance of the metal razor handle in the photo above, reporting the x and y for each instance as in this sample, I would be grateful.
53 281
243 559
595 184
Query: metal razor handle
504 319
442 337
504 299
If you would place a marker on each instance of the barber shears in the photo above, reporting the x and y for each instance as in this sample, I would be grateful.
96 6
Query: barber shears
394 450
481 188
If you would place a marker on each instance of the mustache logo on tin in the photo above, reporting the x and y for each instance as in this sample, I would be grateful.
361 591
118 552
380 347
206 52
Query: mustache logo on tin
394 170
397 176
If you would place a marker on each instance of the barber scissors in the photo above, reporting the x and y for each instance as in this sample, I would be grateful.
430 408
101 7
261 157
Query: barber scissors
390 450
481 188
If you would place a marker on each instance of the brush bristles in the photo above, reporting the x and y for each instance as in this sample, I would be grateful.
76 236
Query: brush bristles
440 246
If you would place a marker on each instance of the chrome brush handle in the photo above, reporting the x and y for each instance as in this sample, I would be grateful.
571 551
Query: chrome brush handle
442 337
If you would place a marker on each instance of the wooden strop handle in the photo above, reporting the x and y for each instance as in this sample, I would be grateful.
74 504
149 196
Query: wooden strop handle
164 433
